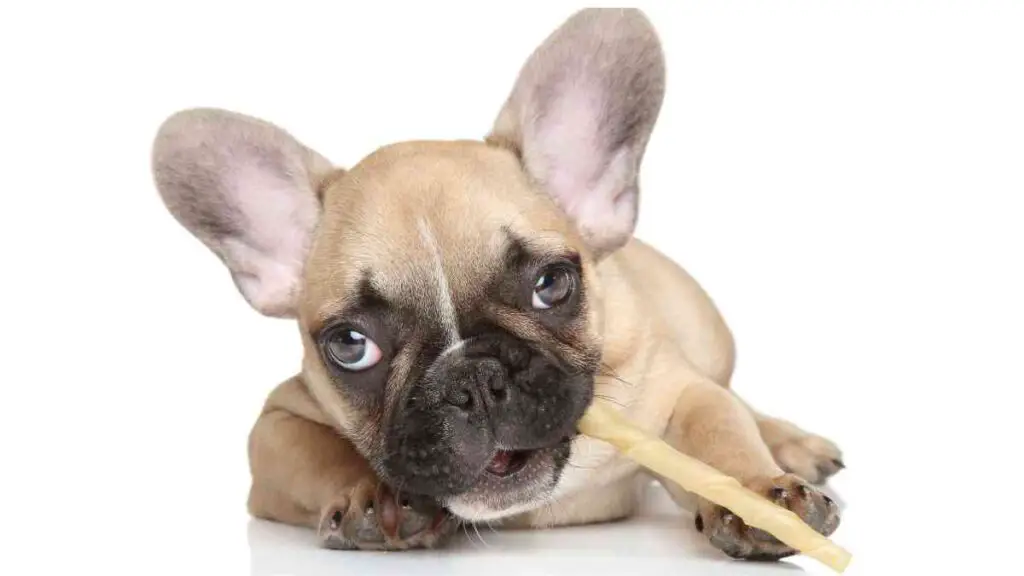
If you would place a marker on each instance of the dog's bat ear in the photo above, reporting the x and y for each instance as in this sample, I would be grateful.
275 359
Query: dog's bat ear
581 113
248 191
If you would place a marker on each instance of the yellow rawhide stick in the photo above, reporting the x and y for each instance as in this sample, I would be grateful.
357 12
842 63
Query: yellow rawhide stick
604 423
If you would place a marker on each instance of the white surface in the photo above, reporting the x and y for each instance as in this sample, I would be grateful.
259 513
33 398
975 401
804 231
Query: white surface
660 540
845 178
657 541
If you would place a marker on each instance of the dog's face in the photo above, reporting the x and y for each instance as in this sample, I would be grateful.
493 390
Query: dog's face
449 321
445 291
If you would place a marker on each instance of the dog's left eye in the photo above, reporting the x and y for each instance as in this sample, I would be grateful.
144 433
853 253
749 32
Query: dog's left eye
352 350
552 288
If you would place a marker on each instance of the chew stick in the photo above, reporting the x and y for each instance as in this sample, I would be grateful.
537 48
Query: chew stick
604 423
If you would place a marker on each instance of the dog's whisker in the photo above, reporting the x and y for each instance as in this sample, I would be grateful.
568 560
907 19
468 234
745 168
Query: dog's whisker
480 536
610 400
622 381
468 536
610 373
549 504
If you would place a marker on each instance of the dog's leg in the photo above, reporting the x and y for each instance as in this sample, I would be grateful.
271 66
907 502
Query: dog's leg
713 425
812 457
807 455
305 473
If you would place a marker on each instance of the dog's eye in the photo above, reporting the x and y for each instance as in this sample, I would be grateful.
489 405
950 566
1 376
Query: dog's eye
353 351
552 288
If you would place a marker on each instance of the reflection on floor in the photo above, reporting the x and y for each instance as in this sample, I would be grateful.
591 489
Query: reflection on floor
660 540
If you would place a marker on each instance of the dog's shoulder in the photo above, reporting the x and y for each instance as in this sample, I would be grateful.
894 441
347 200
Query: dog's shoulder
294 397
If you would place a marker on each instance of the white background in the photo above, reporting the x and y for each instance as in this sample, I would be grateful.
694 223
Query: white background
843 177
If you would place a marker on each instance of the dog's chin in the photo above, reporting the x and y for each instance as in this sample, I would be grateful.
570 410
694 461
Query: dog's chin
514 482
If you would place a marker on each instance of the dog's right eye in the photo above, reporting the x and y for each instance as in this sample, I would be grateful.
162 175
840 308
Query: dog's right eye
352 350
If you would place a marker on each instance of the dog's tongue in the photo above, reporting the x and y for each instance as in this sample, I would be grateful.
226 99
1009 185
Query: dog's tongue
499 465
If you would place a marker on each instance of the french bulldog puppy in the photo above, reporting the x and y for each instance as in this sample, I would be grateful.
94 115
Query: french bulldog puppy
460 304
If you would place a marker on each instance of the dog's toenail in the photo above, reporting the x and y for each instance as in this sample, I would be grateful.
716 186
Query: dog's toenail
838 463
779 494
828 501
336 520
698 523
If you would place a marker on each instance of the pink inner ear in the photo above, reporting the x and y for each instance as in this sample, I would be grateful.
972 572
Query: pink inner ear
566 146
278 217
268 285
608 214
569 156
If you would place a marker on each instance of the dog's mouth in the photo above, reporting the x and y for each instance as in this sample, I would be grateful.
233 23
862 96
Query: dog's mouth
507 462
515 478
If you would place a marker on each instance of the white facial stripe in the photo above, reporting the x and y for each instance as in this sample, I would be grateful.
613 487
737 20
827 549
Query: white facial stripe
454 347
446 306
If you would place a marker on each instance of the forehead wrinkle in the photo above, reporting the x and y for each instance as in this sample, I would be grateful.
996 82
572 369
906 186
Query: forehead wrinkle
521 325
402 366
335 306
540 244
524 327
378 261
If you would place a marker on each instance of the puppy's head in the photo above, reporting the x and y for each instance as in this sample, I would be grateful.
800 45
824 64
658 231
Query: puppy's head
445 291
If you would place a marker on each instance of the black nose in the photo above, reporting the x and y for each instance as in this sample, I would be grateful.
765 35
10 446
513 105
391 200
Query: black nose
477 384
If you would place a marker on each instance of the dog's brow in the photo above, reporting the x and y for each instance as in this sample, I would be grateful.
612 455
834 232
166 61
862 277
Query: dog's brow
520 252
364 298
367 295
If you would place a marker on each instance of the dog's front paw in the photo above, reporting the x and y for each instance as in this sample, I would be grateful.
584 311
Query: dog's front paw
730 534
370 517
